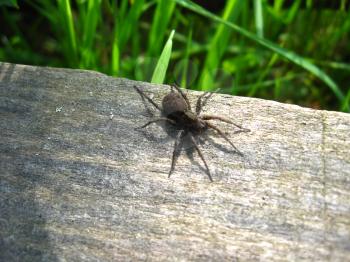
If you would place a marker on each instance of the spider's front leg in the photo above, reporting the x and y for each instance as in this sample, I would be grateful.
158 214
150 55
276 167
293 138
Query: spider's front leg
223 119
200 103
184 96
210 125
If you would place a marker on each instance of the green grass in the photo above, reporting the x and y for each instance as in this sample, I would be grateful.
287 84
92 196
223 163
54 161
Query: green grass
295 54
220 41
163 61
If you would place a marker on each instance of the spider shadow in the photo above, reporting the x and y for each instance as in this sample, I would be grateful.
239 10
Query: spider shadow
154 137
188 147
226 148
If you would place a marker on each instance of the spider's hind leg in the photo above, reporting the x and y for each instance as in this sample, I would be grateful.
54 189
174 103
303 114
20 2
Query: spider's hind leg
221 133
223 119
176 151
201 156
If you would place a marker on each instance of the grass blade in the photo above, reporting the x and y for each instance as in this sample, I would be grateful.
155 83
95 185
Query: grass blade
114 70
163 62
89 22
259 19
129 22
346 102
68 26
184 79
219 45
296 59
11 3
161 18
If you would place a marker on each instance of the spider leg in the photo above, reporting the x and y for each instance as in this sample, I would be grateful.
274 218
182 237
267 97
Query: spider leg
183 95
176 151
201 156
200 103
224 136
143 95
157 120
223 119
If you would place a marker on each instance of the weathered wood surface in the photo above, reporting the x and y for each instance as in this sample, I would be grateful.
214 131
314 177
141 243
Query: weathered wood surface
78 183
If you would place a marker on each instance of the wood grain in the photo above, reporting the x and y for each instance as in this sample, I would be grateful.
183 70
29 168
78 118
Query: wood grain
79 183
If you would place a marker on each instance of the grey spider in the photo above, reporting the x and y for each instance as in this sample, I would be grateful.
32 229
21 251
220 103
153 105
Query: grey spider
176 110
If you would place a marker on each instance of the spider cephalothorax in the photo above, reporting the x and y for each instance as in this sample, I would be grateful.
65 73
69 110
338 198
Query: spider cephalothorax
176 109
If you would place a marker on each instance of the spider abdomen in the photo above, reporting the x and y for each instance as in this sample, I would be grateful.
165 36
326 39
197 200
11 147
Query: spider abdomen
173 104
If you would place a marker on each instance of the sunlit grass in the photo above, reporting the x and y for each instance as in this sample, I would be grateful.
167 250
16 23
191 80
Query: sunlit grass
163 62
295 54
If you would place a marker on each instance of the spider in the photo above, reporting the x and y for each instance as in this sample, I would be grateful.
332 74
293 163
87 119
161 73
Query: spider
176 110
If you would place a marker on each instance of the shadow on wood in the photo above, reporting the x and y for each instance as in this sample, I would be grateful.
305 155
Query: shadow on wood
79 183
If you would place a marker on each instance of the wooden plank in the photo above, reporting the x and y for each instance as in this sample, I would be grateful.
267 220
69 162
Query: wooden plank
78 182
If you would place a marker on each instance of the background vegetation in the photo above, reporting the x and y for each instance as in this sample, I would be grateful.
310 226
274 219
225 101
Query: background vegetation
289 51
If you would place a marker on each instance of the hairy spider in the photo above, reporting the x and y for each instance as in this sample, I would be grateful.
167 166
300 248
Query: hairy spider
176 109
